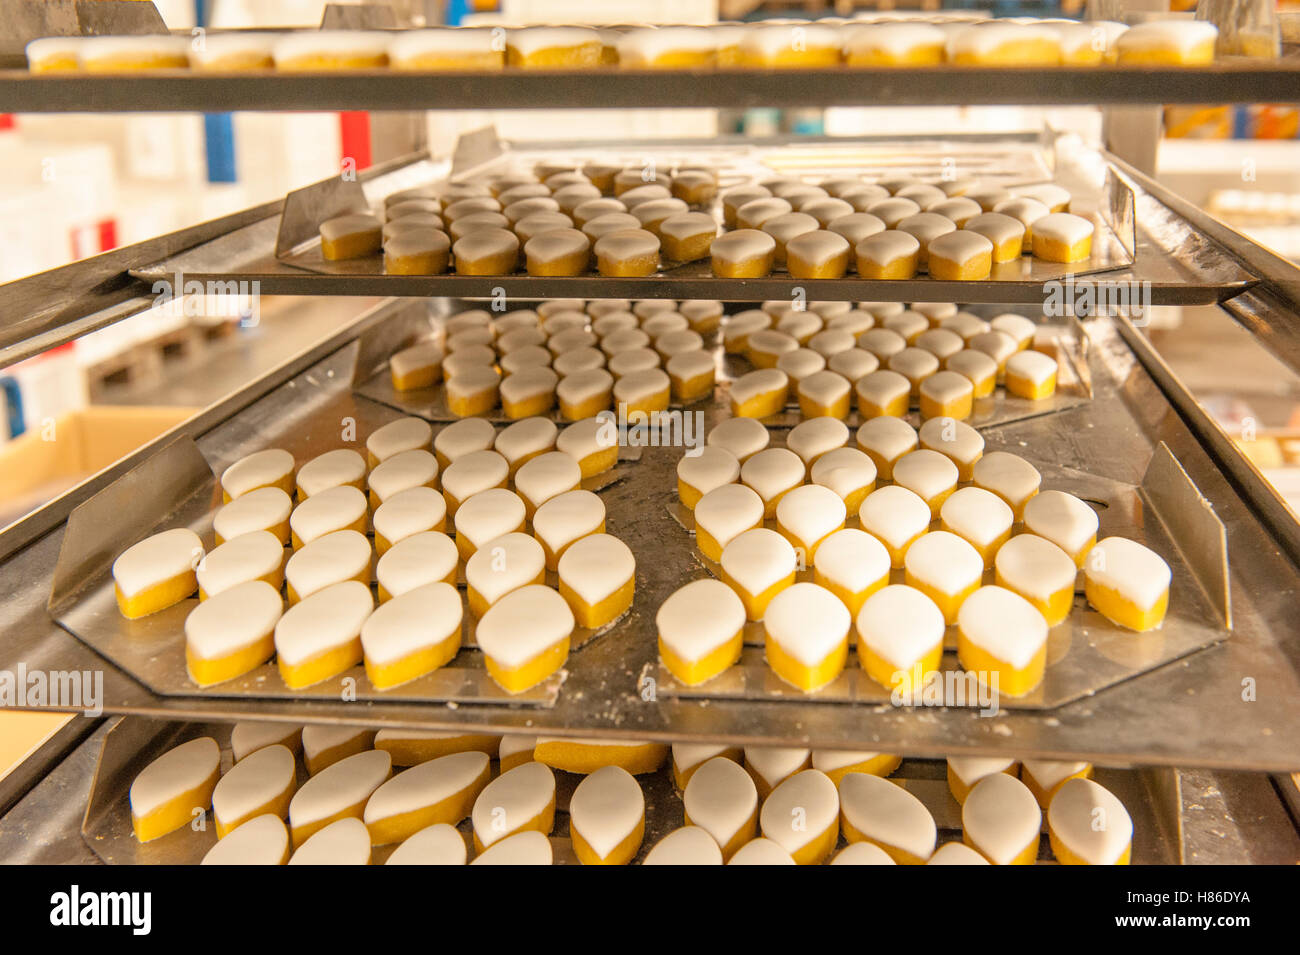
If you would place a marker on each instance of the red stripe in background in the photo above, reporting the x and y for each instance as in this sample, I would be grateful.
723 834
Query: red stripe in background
354 137
7 121
107 235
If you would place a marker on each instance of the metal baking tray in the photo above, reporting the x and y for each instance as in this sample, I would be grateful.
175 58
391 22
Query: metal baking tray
1231 80
1150 796
1186 713
1086 653
176 487
1169 264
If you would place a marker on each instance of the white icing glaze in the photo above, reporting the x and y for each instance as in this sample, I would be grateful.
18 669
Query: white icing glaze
894 514
976 515
511 800
420 559
1063 227
914 364
1009 476
1088 819
940 342
956 853
960 210
408 512
761 852
856 226
627 244
946 562
251 735
529 40
306 43
891 212
414 620
595 566
831 342
345 842
882 342
686 225
720 798
926 226
158 558
907 324
743 245
959 247
826 210
775 764
641 385
807 621
1001 816
257 510
1003 624
253 782
260 841
798 365
438 844
1048 774
971 769
256 470
712 467
900 625
1032 565
853 363
887 813
355 223
475 472
331 469
332 509
489 514
606 808
504 564
1061 518
810 512
1136 572
928 473
1017 327
727 511
346 783
176 771
743 437
567 517
403 471
245 558
814 437
654 211
808 798
329 618
689 845
762 381
984 38
961 443
404 434
690 364
623 340
232 620
554 472
862 853
463 437
426 784
1028 211
523 624
688 756
758 558
772 471
1180 35
525 437
523 848
531 382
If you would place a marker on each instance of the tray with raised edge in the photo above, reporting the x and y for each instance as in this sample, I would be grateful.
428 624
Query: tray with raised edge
1163 258
1149 795
1086 653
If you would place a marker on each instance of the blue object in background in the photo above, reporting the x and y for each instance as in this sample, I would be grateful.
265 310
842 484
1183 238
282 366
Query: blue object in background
13 423
456 10
218 128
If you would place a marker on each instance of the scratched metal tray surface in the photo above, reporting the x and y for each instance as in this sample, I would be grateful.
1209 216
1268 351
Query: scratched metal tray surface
1150 796
1085 653
1190 712
1137 241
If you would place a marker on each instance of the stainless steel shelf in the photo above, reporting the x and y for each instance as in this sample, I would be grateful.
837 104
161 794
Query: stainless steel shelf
1230 81
1187 713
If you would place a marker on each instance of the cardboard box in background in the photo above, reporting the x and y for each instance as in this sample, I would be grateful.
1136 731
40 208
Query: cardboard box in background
42 463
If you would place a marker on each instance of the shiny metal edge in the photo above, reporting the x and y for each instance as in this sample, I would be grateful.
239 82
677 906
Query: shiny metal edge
1195 529
1253 487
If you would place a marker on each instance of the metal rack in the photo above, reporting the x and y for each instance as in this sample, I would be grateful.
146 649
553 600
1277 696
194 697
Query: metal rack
1190 712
